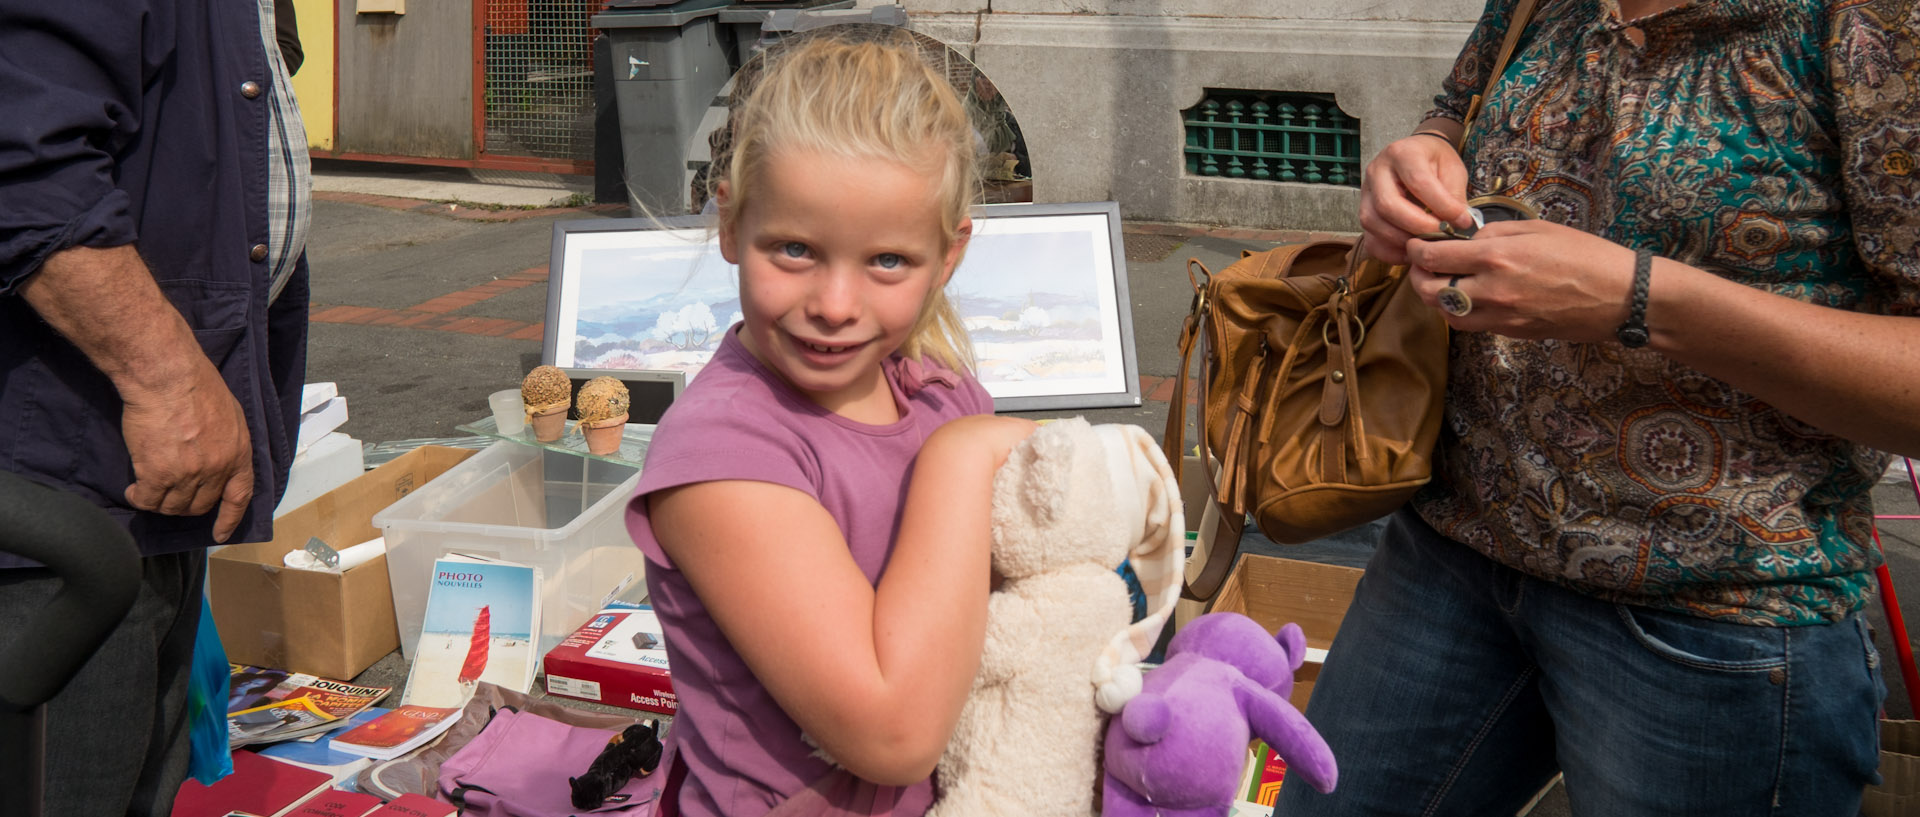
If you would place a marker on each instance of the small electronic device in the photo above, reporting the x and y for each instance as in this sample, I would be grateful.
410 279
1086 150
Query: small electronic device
650 390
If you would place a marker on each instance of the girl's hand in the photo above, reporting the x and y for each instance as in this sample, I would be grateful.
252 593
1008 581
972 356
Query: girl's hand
1530 279
1410 188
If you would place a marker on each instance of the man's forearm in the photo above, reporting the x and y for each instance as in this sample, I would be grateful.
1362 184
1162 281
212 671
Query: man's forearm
106 302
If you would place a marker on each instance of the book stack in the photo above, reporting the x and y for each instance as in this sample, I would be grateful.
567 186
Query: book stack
318 753
270 705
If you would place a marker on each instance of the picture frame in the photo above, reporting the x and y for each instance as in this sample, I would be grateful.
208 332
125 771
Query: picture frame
1042 289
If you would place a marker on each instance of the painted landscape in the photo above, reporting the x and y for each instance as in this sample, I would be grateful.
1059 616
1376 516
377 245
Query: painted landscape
1032 302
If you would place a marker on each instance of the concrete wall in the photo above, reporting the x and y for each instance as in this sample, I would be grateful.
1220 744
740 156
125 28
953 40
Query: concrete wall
1098 87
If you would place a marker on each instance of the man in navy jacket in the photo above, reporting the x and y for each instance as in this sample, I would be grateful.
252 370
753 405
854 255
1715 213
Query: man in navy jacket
153 301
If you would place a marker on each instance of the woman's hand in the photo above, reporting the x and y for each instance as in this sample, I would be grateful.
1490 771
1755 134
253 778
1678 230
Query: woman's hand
1530 279
1410 188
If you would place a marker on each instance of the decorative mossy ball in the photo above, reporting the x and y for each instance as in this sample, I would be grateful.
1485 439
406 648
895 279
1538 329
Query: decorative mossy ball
545 386
602 398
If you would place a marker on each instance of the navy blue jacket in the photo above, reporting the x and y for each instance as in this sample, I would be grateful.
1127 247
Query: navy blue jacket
125 122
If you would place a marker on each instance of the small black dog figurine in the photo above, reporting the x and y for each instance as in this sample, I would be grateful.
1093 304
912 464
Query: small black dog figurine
635 752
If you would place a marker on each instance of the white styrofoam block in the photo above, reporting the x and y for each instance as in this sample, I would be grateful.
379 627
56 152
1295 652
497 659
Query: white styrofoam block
313 395
320 422
327 464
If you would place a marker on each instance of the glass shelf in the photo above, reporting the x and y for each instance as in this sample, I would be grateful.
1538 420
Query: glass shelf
633 443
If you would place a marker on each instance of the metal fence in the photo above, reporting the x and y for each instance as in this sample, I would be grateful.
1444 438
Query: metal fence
1273 136
538 81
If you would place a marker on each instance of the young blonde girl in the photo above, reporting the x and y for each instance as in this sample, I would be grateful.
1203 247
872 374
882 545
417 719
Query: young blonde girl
814 508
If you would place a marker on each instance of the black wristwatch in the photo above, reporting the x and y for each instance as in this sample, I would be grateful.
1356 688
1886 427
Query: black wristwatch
1633 333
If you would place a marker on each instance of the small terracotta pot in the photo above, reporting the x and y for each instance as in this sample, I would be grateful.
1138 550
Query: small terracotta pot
550 424
604 436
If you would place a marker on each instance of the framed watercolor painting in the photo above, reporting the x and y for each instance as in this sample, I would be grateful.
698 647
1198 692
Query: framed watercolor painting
1042 290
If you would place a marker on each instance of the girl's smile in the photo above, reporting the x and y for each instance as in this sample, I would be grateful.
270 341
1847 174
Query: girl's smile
835 276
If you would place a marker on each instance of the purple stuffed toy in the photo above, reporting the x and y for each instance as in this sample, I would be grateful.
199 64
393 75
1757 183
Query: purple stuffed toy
1178 748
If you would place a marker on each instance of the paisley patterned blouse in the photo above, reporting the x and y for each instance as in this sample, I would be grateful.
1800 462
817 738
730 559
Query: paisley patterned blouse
1773 142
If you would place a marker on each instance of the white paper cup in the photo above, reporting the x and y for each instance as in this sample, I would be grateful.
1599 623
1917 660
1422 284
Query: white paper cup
509 411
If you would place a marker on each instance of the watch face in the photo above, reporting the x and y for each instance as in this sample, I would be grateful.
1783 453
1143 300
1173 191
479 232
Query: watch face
1633 337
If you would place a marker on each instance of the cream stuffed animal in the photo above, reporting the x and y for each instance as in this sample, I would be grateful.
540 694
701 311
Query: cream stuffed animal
1071 503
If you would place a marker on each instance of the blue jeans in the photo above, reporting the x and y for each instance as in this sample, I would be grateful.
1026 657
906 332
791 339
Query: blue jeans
1459 686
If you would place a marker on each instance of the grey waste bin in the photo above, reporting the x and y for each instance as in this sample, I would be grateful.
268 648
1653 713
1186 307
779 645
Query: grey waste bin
668 62
756 25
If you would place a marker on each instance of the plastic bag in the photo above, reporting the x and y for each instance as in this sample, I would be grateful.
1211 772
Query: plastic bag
207 703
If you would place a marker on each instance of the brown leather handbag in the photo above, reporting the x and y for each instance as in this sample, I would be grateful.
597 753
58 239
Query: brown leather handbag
1321 388
1322 381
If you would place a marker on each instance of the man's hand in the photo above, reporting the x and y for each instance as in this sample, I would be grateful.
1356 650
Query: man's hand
190 450
185 432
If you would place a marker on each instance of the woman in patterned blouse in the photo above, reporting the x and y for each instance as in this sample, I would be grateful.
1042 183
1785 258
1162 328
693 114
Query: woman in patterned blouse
1644 555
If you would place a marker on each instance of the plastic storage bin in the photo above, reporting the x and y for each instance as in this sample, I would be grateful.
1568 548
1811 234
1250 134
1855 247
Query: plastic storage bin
555 510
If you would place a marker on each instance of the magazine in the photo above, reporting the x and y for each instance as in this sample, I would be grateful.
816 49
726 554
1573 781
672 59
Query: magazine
248 687
278 705
398 732
482 623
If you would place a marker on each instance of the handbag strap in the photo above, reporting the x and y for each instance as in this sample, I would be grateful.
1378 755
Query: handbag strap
1522 14
1223 540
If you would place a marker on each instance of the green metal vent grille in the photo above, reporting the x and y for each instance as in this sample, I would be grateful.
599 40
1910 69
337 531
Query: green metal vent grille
1272 136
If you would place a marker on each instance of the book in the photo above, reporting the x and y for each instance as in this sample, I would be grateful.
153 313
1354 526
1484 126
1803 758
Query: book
294 705
1264 775
317 752
618 657
482 623
259 786
398 732
337 803
415 805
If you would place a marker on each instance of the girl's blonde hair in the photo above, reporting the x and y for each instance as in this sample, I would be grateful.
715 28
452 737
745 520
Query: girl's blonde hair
866 92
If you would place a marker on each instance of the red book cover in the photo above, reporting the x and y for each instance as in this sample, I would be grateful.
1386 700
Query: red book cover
414 805
258 785
397 732
336 803
1269 773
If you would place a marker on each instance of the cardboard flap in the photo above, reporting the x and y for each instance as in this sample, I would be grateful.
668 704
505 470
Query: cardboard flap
334 625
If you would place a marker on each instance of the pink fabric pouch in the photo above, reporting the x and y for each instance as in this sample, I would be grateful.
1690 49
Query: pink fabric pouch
519 764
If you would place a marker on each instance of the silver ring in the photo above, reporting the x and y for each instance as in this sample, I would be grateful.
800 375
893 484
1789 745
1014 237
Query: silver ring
1452 300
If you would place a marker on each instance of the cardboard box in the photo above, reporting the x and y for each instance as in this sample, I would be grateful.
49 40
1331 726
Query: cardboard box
618 658
1898 794
1277 591
333 625
1195 488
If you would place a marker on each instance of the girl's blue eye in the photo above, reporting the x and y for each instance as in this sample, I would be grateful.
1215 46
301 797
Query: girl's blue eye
887 260
793 249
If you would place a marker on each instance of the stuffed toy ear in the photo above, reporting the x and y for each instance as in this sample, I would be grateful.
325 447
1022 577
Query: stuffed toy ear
1158 559
1294 641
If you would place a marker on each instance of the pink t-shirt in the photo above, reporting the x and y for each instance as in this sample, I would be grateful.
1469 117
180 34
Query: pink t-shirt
738 420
